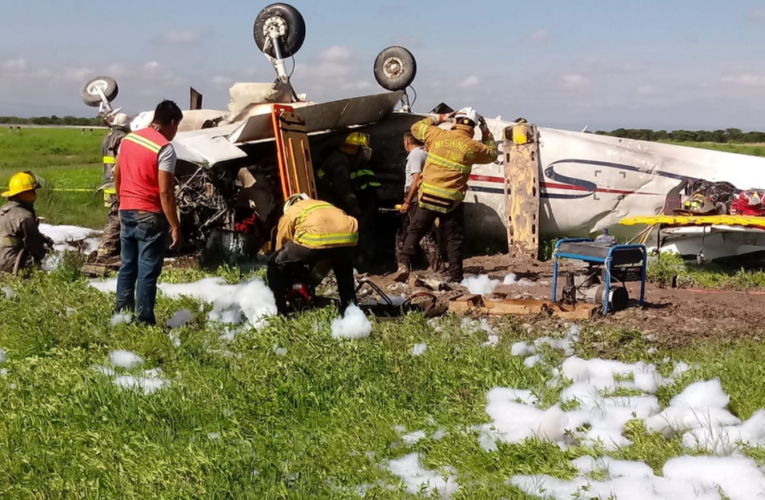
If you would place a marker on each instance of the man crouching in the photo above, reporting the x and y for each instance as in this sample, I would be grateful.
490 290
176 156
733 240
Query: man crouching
22 246
311 232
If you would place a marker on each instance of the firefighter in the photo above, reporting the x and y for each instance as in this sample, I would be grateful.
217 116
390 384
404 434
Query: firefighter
451 156
312 232
22 246
109 246
346 180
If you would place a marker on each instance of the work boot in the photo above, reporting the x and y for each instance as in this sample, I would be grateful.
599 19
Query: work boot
402 275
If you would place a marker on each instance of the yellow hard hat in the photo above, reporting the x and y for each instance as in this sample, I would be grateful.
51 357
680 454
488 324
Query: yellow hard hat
21 183
357 139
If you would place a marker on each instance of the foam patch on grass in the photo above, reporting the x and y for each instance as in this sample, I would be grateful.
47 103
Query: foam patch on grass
149 382
125 359
252 299
353 325
419 349
180 318
418 479
701 405
66 234
684 478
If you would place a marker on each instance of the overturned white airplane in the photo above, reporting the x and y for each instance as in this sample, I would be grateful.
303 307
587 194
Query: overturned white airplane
229 170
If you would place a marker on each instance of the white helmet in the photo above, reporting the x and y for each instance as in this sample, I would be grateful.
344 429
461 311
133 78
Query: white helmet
294 199
468 113
121 120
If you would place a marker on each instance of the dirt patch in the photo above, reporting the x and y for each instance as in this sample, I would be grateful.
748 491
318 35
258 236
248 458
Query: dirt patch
671 317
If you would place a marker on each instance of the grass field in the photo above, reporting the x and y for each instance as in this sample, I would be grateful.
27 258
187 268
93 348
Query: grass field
744 149
239 421
286 411
63 159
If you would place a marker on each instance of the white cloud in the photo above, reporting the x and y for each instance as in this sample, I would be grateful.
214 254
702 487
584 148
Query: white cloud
17 65
77 74
539 37
745 80
574 81
471 81
220 80
336 54
178 37
757 15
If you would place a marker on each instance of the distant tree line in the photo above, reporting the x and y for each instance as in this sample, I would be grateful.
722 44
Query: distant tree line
52 120
731 135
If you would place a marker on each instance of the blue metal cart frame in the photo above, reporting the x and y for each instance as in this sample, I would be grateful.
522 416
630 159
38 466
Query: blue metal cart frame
607 262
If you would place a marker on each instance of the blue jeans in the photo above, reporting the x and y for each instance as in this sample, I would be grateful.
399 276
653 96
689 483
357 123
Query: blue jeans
143 240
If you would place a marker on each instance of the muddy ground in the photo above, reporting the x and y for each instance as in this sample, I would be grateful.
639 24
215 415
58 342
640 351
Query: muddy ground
671 317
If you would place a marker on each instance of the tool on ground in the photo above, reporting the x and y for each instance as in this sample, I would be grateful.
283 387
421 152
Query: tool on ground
602 274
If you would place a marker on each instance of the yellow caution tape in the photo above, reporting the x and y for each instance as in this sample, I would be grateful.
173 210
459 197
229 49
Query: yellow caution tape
684 220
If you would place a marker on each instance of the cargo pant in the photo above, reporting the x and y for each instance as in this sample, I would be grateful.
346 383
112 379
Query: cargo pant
109 246
453 224
429 243
293 259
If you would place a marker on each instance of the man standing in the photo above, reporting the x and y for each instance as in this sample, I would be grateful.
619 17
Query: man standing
414 163
451 156
346 180
312 232
109 246
21 244
144 176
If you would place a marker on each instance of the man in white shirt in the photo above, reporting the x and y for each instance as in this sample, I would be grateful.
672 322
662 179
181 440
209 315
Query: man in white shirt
414 164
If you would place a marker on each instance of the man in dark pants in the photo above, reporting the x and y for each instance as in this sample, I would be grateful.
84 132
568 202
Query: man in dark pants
451 156
346 180
415 161
311 232
144 176
109 245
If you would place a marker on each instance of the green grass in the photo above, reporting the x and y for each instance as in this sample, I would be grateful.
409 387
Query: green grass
63 159
710 276
744 149
305 422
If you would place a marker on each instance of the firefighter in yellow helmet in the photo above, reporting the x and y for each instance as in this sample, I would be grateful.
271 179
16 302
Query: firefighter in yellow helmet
346 180
22 246
312 232
444 182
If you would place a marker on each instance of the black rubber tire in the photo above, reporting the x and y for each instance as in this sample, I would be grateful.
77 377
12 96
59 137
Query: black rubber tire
395 68
294 35
108 85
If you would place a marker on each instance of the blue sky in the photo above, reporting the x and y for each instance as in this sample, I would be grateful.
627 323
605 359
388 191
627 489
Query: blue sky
605 64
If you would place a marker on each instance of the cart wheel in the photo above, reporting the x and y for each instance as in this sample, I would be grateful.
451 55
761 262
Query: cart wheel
287 21
107 85
395 68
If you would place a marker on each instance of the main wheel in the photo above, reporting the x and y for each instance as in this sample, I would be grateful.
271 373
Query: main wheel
107 85
287 22
395 68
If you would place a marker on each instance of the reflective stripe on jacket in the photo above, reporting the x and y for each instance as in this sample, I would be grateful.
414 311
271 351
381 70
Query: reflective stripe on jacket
365 179
317 224
451 156
139 171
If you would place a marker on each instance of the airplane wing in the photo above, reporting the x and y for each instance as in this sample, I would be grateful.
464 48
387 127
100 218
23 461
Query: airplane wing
214 145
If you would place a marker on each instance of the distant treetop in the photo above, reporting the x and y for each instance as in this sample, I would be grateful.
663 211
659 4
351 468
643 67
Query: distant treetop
52 120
